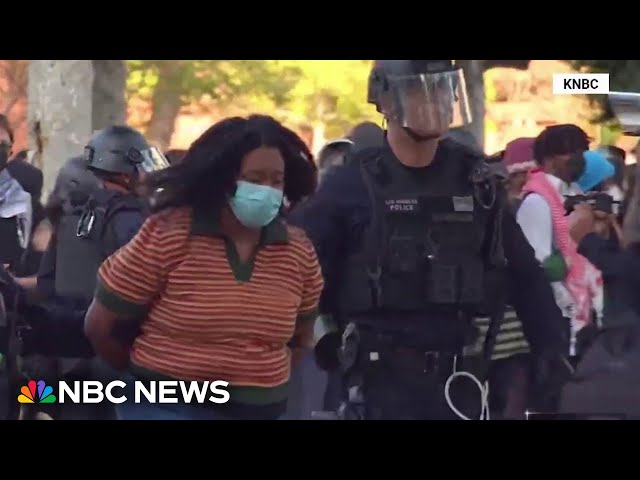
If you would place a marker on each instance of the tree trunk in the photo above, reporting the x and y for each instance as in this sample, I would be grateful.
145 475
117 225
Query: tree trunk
166 102
319 139
59 112
109 84
473 72
68 100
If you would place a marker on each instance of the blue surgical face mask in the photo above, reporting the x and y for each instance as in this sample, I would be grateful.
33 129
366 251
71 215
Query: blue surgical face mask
255 205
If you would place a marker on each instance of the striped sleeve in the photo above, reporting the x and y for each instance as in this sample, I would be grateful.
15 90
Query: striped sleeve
131 278
312 281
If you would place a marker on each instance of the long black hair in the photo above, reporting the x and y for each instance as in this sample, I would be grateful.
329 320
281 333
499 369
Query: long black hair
209 170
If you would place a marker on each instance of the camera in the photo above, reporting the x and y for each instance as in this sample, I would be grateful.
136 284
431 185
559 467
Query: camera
599 201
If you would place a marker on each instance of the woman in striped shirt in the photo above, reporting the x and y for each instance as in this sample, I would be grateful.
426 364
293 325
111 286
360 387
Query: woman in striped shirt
225 289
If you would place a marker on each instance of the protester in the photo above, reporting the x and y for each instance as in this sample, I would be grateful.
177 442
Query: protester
333 154
227 291
16 215
598 176
620 263
518 160
31 180
617 156
607 377
558 150
366 135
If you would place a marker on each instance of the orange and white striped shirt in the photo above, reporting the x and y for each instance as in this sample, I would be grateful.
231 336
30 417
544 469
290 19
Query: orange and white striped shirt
207 315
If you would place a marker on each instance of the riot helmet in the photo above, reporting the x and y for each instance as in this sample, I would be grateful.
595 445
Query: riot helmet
120 149
425 97
333 153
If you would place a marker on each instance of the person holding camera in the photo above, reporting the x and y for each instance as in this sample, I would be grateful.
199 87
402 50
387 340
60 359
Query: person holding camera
595 182
607 378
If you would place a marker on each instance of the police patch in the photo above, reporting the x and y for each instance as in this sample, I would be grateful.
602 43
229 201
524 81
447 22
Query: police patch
404 205
463 204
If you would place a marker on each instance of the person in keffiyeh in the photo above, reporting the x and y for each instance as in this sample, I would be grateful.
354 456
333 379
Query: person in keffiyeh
559 153
15 205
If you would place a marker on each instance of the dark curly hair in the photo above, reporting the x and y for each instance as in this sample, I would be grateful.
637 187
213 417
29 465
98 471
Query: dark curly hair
207 175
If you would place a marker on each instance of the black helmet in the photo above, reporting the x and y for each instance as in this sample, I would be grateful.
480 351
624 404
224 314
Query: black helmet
424 96
382 69
121 149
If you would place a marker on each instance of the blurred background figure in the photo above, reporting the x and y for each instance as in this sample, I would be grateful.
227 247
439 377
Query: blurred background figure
615 186
366 135
361 137
518 160
333 154
464 137
31 180
16 215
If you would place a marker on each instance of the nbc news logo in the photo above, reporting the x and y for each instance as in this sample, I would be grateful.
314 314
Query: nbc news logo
36 392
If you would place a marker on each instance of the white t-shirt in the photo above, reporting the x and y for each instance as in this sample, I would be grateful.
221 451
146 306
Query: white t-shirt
535 219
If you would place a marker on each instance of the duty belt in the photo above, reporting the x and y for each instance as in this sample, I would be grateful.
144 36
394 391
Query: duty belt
412 361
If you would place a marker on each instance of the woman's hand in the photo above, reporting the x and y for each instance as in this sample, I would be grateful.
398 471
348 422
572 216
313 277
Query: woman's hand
99 327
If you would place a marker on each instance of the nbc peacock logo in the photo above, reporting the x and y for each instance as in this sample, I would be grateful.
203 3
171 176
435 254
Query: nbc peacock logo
36 392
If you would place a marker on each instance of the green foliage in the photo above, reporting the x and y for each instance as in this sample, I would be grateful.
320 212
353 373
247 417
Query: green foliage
609 134
330 92
299 92
221 80
624 75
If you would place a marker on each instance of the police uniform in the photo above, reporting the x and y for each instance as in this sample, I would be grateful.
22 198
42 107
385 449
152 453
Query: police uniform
97 220
409 256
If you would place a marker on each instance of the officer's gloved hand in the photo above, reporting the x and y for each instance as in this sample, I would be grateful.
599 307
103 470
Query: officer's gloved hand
551 371
326 351
619 340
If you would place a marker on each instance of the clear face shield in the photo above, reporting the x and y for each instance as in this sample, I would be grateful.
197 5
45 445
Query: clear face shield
151 160
427 104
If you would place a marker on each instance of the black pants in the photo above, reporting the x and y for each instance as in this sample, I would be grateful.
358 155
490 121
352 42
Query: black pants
509 381
401 386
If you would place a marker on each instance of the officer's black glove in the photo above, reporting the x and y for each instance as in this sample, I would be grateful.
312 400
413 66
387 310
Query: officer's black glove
326 352
551 371
619 340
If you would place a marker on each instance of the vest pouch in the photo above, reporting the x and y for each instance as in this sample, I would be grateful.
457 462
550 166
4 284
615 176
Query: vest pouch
355 295
78 257
472 279
404 256
442 284
403 274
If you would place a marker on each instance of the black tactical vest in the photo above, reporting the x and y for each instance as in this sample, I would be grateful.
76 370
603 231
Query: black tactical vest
83 242
426 246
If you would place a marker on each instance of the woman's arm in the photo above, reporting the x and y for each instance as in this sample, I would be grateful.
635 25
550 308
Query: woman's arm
128 283
313 284
99 327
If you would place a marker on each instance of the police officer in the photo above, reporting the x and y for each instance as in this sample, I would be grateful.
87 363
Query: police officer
92 229
413 237
95 222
